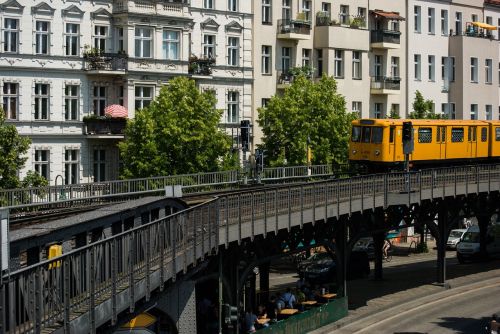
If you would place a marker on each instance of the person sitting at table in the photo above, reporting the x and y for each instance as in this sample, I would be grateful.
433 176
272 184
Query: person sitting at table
301 297
271 309
280 302
262 314
250 321
289 298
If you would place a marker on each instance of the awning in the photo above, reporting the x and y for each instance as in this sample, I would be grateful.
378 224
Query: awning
484 25
116 110
388 15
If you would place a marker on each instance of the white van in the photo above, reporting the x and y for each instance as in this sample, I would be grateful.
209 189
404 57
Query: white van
468 248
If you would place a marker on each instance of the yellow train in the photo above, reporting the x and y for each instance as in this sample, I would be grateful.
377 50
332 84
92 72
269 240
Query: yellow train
376 144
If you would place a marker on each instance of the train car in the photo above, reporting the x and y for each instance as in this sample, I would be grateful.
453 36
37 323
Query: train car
376 144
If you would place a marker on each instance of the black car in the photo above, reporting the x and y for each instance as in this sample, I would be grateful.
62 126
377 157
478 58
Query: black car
316 257
325 270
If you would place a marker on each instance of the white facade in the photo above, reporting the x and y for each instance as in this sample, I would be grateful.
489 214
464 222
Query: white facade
48 87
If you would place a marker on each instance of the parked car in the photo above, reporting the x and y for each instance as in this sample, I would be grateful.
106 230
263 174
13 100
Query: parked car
324 270
365 244
454 238
469 247
316 257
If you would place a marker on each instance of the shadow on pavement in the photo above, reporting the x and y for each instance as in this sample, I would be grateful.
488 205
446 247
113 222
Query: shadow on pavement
462 325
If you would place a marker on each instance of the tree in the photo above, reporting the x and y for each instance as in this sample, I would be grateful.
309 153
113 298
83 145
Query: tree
178 133
308 115
423 108
13 148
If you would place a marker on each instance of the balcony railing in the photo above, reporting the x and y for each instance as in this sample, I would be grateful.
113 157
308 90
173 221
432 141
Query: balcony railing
390 83
294 27
106 62
385 36
201 66
104 126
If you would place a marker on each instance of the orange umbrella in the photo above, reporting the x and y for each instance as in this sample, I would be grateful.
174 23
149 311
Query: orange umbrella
116 110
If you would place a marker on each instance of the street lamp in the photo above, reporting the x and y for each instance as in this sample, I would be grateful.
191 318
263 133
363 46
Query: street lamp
61 193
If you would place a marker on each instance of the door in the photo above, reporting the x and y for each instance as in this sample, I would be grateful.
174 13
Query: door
441 141
392 140
472 138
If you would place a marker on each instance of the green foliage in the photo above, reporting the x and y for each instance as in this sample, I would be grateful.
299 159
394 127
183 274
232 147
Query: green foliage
394 114
311 110
422 248
13 147
306 71
34 180
177 134
423 109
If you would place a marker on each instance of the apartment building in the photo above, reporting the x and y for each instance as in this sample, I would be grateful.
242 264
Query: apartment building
63 63
360 43
453 54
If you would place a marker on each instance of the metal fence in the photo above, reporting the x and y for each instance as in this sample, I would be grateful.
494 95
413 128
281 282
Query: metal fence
123 269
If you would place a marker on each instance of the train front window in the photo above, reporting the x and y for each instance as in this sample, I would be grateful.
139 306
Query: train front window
377 133
356 134
367 132
497 134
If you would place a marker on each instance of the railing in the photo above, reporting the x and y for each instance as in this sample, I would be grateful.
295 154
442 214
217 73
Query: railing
473 33
385 36
106 62
201 66
294 27
386 83
125 268
95 126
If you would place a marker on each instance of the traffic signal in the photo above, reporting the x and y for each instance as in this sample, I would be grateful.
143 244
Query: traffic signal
407 131
245 134
230 313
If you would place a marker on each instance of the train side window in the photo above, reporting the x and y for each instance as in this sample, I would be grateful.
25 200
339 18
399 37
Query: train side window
391 134
367 132
377 134
425 135
472 133
356 134
457 135
484 134
497 134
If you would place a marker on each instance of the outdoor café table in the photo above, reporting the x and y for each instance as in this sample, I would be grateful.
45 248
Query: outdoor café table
289 311
309 303
329 295
263 321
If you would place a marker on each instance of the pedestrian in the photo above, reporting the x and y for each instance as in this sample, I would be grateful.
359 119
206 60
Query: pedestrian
250 321
271 309
494 325
386 247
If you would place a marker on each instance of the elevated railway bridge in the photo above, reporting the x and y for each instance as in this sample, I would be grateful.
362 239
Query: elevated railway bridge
156 261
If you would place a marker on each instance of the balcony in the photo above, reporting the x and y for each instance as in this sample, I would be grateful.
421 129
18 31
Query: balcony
200 66
96 62
385 39
385 85
163 8
286 78
104 127
330 33
294 29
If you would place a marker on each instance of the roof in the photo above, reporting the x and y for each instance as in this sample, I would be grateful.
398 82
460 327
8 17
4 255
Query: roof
388 15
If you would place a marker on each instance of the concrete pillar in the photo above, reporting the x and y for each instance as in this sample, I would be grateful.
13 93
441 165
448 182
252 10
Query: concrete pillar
441 244
340 254
378 243
180 305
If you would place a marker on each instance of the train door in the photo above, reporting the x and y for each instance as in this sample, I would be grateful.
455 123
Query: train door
441 141
392 140
472 141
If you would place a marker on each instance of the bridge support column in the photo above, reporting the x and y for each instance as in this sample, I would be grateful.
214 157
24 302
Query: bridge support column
378 244
180 304
33 255
441 243
81 240
264 281
340 246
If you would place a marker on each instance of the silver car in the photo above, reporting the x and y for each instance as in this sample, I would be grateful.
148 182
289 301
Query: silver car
454 238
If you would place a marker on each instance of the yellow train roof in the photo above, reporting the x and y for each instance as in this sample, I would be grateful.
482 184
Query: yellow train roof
418 122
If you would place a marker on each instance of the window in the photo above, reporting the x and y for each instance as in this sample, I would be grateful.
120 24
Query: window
72 47
286 11
488 112
121 93
472 133
395 109
444 68
378 67
484 134
319 61
444 22
42 37
71 102
458 23
378 110
41 101
366 134
392 129
11 35
99 165
416 60
424 135
441 134
10 100
339 64
452 69
267 12
42 163
233 47
285 59
395 67
497 134
265 102
143 96
356 64
326 7
306 9
356 107
143 42
100 37
432 66
356 134
306 57
266 59
417 23
170 44
473 69
473 111
431 21
473 17
71 166
209 46
362 14
119 39
452 110
208 4
232 5
377 134
488 75
99 100
232 107
457 135
344 14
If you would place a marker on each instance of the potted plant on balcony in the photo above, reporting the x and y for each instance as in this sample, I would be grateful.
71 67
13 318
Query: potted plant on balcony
357 22
322 18
94 56
334 22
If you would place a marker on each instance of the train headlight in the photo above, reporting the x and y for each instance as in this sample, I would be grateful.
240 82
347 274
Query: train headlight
354 152
377 152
